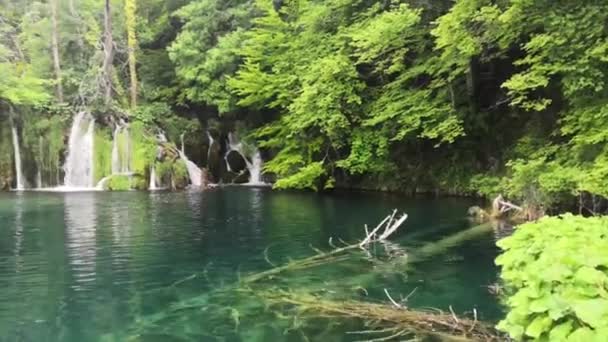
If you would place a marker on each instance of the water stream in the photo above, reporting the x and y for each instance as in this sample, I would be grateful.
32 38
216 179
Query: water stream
19 185
79 165
254 163
153 186
194 172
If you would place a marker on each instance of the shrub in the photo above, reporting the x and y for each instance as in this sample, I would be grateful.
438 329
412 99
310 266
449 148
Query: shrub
556 275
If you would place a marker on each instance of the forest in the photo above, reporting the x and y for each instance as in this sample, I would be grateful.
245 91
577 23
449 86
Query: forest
463 98
470 98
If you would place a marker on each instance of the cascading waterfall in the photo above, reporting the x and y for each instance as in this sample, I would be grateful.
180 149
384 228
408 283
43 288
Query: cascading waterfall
181 138
17 153
121 151
209 151
194 172
39 165
254 166
121 154
79 165
115 152
255 169
153 185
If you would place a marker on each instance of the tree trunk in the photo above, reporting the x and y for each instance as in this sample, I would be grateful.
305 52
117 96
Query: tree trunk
130 17
55 50
108 51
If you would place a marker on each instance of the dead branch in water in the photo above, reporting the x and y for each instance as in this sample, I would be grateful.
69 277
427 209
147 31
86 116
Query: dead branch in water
390 320
390 227
384 321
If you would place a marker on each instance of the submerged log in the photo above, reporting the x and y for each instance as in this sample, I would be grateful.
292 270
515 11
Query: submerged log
385 321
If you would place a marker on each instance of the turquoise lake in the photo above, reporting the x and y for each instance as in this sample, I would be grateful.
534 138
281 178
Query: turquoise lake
138 266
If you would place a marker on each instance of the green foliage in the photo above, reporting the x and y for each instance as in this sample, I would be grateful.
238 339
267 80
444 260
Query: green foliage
339 72
102 156
143 148
555 272
119 183
307 177
205 51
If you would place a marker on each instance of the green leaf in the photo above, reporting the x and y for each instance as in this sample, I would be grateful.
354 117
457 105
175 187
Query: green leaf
593 312
538 326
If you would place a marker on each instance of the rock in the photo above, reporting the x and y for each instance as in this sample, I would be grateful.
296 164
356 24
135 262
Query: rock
214 161
241 178
236 161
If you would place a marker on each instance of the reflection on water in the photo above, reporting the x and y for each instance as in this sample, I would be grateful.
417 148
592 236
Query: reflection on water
18 231
81 242
93 266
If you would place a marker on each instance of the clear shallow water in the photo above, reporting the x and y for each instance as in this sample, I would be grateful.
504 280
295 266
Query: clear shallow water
106 266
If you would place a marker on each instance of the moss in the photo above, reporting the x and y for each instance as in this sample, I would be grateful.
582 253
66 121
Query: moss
6 156
119 183
143 148
102 154
172 171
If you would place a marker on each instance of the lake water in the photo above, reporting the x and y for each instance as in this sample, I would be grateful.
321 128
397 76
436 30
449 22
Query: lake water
136 266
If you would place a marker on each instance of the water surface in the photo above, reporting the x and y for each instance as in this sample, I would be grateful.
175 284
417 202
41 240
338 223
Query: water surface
105 266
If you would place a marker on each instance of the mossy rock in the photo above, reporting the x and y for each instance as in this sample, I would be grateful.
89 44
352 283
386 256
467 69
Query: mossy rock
125 183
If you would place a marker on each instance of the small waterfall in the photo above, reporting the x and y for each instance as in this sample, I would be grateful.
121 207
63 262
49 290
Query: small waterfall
255 169
38 179
40 163
254 166
194 172
126 161
209 151
181 138
17 153
121 150
115 152
79 163
153 185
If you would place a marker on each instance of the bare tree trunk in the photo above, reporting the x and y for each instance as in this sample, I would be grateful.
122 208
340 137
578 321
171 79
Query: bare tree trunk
130 17
55 50
108 50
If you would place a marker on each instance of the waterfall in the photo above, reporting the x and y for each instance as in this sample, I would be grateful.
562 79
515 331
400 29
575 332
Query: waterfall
254 166
209 151
181 137
79 163
38 179
126 156
121 153
115 152
153 185
17 152
194 172
40 163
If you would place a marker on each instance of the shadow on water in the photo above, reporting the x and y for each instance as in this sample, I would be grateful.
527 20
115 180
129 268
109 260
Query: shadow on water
109 266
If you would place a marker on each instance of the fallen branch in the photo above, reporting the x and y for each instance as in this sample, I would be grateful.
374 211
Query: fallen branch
335 255
391 319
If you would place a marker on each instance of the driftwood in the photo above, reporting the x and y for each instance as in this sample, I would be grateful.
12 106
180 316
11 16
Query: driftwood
389 224
500 206
392 320
384 321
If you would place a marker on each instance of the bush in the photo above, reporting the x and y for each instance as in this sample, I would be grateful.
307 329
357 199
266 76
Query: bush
556 275
119 183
